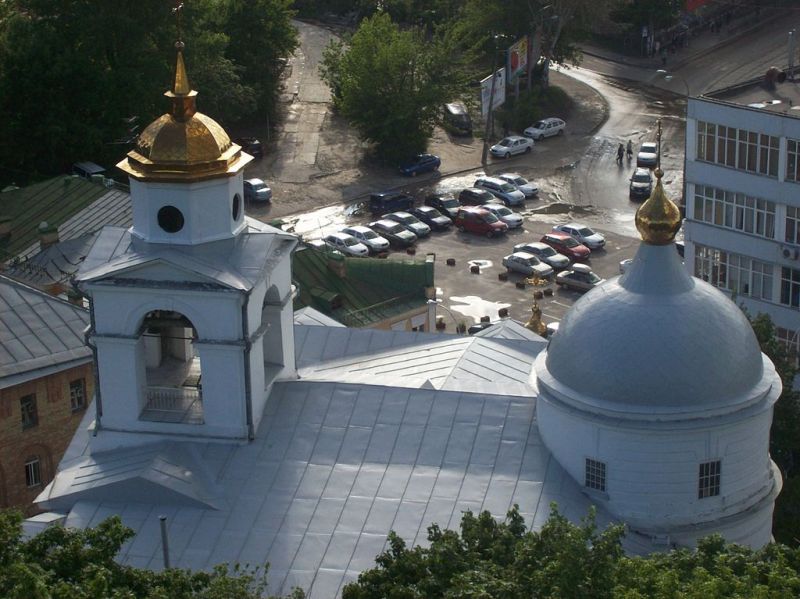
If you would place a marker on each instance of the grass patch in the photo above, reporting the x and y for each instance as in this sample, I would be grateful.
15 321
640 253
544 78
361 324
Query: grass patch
520 113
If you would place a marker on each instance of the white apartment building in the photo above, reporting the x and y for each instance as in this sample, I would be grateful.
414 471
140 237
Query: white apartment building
743 197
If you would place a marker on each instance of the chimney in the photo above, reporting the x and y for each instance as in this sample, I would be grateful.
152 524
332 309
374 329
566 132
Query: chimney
48 235
5 226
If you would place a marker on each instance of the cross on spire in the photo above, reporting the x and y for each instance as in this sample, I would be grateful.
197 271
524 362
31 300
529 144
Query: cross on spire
178 11
658 139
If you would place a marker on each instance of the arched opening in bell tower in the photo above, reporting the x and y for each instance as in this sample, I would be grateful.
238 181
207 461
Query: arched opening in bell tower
174 381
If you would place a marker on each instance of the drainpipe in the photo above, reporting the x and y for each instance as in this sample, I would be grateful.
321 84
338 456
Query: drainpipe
248 392
87 336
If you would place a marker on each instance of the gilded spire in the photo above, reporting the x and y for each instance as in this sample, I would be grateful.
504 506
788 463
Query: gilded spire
181 87
658 219
182 95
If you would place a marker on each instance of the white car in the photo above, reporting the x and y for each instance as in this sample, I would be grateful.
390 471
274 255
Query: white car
527 264
410 223
529 188
582 234
648 155
508 216
347 244
368 237
502 190
545 253
509 146
545 128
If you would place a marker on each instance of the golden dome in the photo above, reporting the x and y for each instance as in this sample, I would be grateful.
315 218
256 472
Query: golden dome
183 145
658 219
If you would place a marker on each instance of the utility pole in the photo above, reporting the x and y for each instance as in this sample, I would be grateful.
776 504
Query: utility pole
489 112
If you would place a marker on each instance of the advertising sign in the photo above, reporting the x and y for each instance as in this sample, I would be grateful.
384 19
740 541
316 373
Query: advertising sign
518 58
499 91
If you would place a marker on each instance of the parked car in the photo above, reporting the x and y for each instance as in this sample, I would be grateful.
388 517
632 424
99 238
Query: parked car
444 203
580 277
473 196
529 188
390 201
368 237
508 216
641 184
648 155
252 146
432 217
502 190
320 246
397 235
545 253
409 222
624 265
582 234
564 244
509 146
480 221
255 190
545 128
421 163
347 244
527 264
457 118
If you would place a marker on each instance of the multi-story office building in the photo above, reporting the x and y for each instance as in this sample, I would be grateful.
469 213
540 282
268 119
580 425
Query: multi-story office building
743 197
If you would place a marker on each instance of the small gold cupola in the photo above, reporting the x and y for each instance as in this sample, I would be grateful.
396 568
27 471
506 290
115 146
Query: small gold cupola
658 219
183 145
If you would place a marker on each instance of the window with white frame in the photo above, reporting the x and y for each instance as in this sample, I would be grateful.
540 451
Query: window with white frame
595 474
734 211
77 395
738 148
740 274
709 479
792 160
791 340
33 472
790 287
793 224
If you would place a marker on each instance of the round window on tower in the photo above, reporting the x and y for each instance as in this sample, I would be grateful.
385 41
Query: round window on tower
170 219
236 208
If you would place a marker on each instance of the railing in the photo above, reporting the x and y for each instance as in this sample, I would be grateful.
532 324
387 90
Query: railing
173 404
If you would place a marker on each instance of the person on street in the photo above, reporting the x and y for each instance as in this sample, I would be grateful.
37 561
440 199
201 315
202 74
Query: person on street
620 153
630 149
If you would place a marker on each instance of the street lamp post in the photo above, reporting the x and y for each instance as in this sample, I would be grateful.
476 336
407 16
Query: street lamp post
433 304
667 76
490 111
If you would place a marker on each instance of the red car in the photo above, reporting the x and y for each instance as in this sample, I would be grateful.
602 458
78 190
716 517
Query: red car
480 221
565 244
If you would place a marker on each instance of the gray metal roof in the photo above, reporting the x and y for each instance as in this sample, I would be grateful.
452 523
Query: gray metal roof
310 316
37 331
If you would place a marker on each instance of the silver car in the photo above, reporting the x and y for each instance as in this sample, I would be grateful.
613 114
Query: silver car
508 216
347 244
529 188
509 146
583 234
527 264
545 253
502 190
368 237
410 223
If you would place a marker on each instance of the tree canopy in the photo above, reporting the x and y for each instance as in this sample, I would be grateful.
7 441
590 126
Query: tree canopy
504 560
73 72
62 563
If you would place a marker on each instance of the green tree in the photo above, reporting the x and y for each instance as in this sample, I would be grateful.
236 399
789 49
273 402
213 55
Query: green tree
62 563
503 560
391 84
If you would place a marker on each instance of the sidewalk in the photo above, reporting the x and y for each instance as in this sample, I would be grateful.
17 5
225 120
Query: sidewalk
701 44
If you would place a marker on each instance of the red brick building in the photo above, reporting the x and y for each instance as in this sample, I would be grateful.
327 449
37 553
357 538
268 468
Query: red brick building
46 384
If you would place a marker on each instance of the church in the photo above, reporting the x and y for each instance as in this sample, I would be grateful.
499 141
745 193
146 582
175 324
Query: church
251 438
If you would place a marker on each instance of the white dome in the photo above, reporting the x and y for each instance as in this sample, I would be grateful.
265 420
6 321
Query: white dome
656 339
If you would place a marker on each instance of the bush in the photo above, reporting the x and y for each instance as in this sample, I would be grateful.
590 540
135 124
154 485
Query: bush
531 106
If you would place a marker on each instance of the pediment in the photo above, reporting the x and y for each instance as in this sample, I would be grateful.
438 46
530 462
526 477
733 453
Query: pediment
162 269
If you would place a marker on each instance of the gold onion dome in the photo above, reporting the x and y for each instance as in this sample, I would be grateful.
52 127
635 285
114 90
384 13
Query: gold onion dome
658 219
183 145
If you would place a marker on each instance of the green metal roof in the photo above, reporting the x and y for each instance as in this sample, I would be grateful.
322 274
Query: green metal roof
54 201
371 291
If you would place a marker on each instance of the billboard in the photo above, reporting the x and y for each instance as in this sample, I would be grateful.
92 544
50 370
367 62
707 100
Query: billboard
518 58
499 91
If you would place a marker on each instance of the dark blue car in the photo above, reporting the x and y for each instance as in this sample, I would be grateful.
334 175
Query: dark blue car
421 163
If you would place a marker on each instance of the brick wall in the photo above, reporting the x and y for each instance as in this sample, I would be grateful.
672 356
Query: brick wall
45 441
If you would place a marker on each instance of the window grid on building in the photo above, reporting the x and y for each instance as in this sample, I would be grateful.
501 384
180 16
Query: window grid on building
740 274
790 287
77 395
28 412
793 224
738 148
734 211
791 340
792 160
709 479
595 474
33 473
